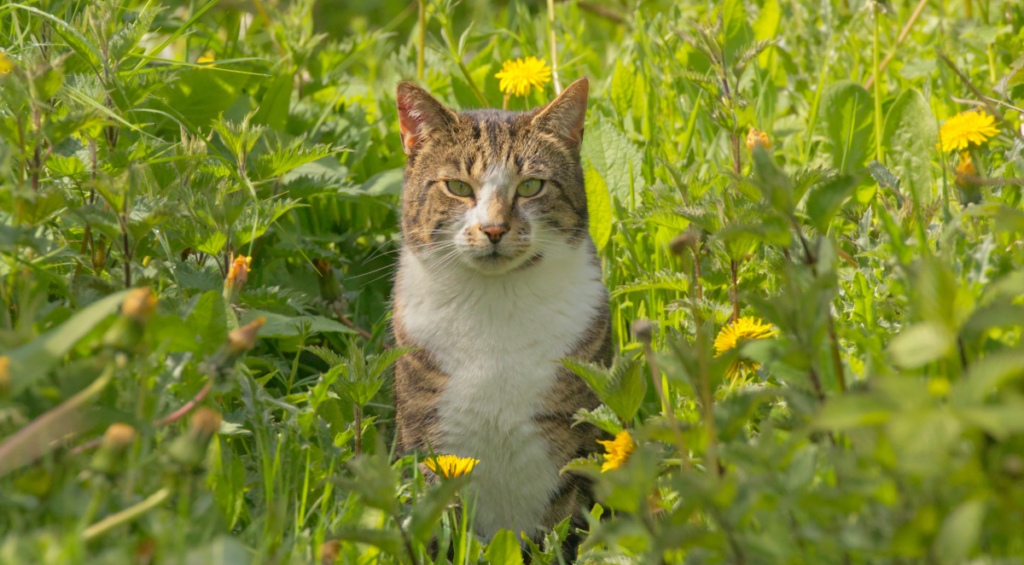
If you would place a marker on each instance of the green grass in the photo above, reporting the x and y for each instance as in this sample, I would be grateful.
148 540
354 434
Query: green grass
150 144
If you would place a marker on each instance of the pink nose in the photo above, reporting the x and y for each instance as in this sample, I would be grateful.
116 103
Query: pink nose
494 231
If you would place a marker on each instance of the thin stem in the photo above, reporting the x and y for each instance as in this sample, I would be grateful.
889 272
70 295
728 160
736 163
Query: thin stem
472 84
422 41
899 41
666 407
126 515
359 428
734 269
837 361
705 400
878 93
553 46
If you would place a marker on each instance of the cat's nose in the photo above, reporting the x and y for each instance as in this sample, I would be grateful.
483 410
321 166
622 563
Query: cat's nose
494 231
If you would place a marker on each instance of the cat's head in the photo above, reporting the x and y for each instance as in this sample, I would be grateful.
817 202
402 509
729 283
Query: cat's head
491 190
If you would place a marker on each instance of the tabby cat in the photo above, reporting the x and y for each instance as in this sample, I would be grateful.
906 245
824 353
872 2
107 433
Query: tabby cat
498 279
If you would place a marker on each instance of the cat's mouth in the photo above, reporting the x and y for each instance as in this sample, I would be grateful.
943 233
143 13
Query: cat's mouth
496 263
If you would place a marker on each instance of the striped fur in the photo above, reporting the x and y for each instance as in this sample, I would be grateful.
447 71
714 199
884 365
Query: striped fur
490 320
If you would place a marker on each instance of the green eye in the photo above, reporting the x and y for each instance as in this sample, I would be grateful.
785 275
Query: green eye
459 188
529 188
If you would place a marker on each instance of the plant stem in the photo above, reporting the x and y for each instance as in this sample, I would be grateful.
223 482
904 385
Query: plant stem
837 361
422 42
899 41
359 428
554 47
734 269
878 92
705 400
126 515
472 84
666 407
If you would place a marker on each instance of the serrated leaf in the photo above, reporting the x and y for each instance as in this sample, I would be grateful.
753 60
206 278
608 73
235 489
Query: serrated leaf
909 136
599 206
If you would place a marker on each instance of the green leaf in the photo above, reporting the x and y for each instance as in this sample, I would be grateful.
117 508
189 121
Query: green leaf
909 136
622 88
428 509
920 344
599 206
767 25
208 321
613 156
273 109
959 533
37 357
279 325
504 549
848 114
826 199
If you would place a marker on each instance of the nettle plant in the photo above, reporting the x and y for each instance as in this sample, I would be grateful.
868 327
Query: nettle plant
809 220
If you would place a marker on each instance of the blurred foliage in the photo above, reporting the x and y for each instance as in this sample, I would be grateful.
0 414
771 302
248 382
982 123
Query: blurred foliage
238 165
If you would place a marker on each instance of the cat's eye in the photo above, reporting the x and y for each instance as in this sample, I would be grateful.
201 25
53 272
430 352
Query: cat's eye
529 188
459 188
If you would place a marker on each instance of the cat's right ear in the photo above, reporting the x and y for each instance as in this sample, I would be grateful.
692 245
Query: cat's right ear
419 114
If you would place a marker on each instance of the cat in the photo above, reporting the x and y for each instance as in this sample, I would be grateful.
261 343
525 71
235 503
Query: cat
498 279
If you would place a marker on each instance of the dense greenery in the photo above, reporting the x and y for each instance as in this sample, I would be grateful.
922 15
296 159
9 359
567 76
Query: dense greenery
159 144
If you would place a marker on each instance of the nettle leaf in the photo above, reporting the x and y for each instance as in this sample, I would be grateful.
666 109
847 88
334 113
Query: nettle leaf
282 160
920 344
615 157
667 279
848 115
599 206
827 198
603 417
909 136
504 549
622 88
621 387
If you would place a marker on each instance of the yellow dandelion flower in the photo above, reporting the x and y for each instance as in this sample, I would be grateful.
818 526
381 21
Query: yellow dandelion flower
207 57
6 64
756 136
450 466
730 336
519 77
966 128
617 451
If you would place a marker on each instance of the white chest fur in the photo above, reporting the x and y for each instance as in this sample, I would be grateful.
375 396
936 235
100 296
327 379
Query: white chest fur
498 338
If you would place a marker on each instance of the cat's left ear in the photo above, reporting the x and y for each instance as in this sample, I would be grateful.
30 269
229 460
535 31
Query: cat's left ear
564 116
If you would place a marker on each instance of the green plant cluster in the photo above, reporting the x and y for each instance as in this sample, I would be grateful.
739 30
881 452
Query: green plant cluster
199 225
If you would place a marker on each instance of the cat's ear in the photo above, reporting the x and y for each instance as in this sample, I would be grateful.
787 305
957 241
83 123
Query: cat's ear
419 114
564 116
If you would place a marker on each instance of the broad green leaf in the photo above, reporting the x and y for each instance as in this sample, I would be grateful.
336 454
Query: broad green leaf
622 88
428 509
614 156
37 357
848 115
920 344
279 325
504 549
208 321
599 206
909 136
766 26
959 533
826 199
273 109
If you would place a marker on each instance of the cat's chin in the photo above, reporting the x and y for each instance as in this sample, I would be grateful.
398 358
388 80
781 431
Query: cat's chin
496 264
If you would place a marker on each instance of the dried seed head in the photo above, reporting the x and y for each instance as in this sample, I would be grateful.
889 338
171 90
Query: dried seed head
205 421
328 552
5 374
118 436
244 338
682 242
140 304
643 330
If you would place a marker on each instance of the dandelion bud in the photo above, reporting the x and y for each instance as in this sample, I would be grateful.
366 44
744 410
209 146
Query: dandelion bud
643 330
330 290
967 180
190 448
238 273
140 304
328 552
244 338
5 375
755 137
239 341
110 454
127 331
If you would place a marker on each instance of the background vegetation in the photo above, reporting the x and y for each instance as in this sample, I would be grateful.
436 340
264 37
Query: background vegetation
160 144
